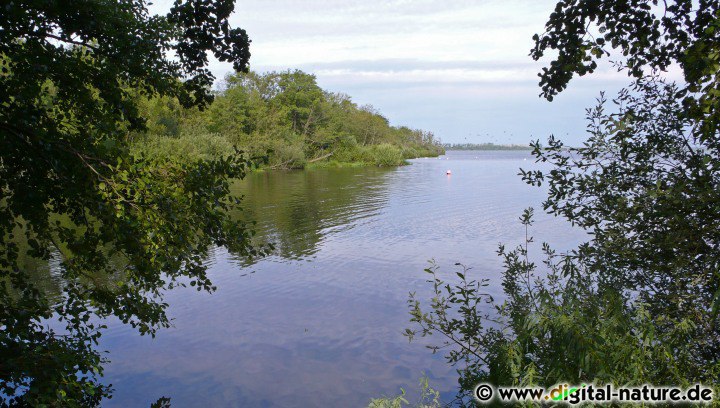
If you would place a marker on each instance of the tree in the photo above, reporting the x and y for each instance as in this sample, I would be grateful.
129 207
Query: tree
637 303
647 189
285 113
646 182
124 227
651 35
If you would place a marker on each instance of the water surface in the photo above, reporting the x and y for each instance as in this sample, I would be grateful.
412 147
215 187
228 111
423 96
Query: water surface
320 322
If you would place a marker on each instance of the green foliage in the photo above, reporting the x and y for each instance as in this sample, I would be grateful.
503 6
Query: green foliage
165 115
123 227
188 146
383 155
559 323
638 303
651 36
428 398
389 402
288 114
646 182
647 188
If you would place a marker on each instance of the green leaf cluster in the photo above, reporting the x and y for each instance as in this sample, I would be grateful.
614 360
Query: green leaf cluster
638 302
115 228
287 114
558 322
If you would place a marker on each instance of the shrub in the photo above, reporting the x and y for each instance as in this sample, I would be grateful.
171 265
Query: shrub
383 155
189 145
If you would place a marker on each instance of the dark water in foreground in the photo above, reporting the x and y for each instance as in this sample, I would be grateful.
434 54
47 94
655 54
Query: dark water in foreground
320 322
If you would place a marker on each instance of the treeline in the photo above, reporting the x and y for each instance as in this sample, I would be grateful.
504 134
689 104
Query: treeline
484 146
287 114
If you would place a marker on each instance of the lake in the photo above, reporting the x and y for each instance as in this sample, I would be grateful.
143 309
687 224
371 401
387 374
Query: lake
320 322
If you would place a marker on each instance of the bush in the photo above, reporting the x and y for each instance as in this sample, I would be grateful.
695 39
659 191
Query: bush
383 155
287 155
410 153
189 145
428 398
557 324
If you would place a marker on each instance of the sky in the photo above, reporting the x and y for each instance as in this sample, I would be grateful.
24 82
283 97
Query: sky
458 68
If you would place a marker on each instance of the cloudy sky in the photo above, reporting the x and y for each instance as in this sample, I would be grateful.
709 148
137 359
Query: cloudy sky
458 68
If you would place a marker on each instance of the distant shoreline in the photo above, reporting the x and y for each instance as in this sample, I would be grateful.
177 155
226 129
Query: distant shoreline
485 146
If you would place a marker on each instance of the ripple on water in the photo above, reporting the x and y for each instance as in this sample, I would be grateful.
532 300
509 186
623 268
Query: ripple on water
319 323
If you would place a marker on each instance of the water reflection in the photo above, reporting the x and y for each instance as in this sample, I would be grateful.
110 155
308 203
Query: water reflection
320 322
296 209
44 274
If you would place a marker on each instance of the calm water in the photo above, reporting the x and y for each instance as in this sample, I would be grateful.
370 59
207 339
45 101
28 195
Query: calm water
319 323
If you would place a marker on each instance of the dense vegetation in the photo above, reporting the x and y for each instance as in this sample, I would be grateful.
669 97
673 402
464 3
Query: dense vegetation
484 146
120 227
116 165
285 113
638 303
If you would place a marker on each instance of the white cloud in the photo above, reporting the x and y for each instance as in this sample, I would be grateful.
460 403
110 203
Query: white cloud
452 66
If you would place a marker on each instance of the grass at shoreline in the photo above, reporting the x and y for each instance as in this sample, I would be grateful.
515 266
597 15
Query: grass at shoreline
332 164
